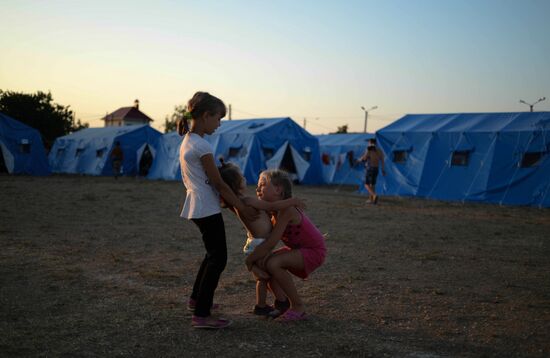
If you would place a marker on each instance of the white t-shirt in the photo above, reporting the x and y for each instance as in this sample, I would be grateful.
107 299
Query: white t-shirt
202 199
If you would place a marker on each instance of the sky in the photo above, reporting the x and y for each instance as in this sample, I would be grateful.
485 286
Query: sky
315 61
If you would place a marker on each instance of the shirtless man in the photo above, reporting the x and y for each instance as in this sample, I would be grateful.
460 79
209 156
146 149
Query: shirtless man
373 158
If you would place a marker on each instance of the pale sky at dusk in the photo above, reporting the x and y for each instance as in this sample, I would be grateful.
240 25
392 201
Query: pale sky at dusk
313 59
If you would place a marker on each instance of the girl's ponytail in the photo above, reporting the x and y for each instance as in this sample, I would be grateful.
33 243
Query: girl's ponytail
182 126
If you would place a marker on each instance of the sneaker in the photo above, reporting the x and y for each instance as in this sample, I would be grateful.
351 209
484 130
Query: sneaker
262 311
292 316
191 304
209 322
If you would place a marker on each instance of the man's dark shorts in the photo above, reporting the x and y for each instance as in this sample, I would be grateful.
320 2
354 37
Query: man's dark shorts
372 174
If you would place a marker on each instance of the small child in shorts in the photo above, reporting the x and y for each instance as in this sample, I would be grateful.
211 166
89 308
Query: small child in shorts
257 231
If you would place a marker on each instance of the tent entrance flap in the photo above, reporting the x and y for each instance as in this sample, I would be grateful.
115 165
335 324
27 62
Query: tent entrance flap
290 160
7 162
144 159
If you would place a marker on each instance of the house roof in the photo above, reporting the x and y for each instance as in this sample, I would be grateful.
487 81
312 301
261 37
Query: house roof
128 113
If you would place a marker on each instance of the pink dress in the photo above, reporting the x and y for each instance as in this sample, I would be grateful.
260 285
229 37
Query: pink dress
308 239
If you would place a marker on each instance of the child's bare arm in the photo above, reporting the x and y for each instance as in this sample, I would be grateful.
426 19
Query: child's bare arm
274 205
225 191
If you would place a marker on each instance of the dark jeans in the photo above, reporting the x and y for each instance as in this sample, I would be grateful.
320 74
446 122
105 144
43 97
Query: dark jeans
213 236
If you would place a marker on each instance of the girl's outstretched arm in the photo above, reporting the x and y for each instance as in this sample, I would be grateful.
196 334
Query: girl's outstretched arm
274 205
225 191
276 234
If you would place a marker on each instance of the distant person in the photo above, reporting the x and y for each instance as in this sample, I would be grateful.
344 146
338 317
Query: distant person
304 247
374 159
204 186
117 157
257 231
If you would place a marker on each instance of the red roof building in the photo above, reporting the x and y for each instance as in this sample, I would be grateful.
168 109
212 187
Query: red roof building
127 116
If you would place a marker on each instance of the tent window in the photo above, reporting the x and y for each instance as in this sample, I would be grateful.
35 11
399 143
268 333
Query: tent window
307 153
25 146
78 152
99 153
531 159
325 158
233 152
399 156
268 153
460 158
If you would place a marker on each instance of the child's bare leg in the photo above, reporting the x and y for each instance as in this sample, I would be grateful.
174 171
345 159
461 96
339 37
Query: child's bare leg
276 290
278 266
261 293
371 191
259 273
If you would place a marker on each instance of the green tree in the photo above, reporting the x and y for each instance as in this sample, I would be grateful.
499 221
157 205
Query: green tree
180 111
37 110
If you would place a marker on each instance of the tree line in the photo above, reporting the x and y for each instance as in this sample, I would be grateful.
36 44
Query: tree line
39 111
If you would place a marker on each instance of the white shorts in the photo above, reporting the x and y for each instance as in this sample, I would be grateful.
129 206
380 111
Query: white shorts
251 244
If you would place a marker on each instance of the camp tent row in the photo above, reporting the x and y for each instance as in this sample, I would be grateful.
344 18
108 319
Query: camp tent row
339 154
87 151
253 145
21 149
488 157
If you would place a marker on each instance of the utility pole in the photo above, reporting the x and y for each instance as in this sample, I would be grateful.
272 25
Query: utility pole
229 112
367 116
531 105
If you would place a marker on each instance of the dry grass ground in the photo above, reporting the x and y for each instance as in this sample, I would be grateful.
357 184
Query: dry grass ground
97 267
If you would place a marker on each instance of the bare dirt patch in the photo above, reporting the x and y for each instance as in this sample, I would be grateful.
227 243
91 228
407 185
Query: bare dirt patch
101 267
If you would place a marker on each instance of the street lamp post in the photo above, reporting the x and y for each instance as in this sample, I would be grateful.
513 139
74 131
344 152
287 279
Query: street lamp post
367 116
531 105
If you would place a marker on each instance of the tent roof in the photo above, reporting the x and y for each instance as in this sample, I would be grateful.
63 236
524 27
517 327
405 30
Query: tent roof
344 138
250 125
105 132
470 122
8 124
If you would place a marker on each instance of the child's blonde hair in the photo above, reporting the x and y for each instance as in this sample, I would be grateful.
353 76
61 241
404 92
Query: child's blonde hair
281 179
231 175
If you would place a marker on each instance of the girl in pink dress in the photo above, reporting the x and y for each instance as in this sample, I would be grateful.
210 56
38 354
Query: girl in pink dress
304 249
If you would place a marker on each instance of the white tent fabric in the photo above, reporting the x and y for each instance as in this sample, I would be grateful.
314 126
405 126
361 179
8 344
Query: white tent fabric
88 151
301 165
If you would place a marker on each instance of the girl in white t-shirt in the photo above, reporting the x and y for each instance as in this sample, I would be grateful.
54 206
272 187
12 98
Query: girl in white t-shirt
204 185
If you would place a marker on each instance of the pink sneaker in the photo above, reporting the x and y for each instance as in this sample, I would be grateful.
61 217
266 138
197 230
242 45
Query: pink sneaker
191 304
209 322
292 316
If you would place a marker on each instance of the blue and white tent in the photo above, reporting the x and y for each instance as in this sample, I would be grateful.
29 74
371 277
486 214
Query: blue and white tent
166 165
488 157
21 148
88 150
254 145
338 155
